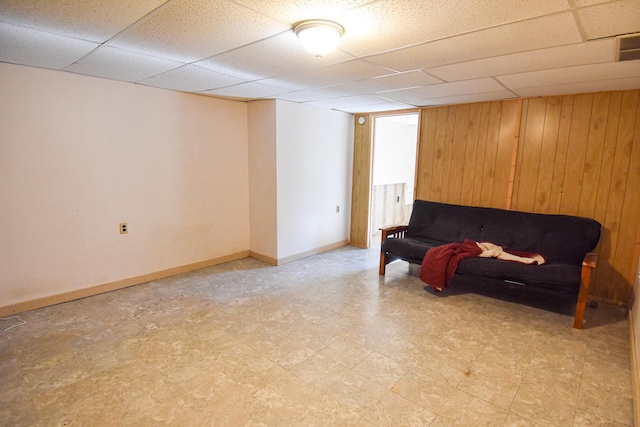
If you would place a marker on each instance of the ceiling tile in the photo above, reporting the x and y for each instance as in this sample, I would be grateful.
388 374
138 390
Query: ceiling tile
374 108
334 74
386 83
466 99
94 20
248 91
444 89
25 46
348 101
270 57
191 30
394 52
528 35
306 96
583 87
117 64
554 57
611 19
191 79
386 25
577 74
288 11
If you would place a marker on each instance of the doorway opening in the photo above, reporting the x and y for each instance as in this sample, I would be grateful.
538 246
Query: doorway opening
395 140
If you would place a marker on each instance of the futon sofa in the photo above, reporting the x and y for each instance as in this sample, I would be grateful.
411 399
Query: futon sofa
564 241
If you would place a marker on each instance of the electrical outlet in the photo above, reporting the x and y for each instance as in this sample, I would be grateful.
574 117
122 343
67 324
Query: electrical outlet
123 228
337 208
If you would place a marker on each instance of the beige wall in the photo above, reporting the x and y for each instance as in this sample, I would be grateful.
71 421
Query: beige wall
79 155
314 155
300 160
262 180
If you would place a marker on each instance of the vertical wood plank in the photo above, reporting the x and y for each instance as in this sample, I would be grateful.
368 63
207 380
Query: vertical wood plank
519 156
425 157
530 147
609 151
609 271
548 154
576 153
603 272
593 159
509 125
471 149
480 153
630 214
438 154
447 153
560 164
458 147
490 154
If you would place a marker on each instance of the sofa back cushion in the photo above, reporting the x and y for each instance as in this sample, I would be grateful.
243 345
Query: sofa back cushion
559 238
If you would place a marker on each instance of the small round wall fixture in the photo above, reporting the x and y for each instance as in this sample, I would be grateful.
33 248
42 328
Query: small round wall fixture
319 36
361 120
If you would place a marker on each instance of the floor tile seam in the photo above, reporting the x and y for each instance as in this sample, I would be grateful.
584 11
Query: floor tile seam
513 399
324 393
409 399
472 396
399 396
507 355
374 381
483 399
337 338
574 406
577 400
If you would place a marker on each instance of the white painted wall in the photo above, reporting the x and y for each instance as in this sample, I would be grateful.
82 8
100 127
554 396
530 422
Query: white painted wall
262 179
314 166
394 154
78 155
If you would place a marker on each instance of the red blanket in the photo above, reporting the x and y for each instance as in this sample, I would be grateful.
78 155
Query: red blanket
440 263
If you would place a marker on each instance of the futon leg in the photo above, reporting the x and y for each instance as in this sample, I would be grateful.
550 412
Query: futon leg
579 318
585 278
383 263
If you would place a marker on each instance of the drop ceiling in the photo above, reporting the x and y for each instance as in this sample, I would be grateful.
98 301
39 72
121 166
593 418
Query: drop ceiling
394 55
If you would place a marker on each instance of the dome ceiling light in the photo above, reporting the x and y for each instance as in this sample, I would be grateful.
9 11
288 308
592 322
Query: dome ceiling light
319 36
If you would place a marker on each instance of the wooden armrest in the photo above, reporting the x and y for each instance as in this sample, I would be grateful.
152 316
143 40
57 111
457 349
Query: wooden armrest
393 231
590 260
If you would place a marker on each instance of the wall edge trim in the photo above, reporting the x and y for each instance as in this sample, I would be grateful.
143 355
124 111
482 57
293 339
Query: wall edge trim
635 374
264 258
305 254
118 284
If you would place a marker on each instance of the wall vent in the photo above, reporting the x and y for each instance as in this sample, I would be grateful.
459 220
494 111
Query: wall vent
628 47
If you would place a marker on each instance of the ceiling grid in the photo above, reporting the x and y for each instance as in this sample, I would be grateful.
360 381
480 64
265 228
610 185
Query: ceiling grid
395 54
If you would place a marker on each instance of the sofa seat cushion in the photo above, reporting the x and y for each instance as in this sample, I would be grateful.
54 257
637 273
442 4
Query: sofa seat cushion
408 248
547 276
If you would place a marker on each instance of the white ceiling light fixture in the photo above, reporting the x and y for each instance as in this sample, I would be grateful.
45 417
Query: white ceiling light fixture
319 36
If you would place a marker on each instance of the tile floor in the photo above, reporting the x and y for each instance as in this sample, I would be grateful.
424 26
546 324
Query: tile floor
321 341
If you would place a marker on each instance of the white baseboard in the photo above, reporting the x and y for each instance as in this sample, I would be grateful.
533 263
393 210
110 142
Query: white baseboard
311 252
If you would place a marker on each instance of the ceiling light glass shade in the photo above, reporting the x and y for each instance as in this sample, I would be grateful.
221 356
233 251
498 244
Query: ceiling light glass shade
319 36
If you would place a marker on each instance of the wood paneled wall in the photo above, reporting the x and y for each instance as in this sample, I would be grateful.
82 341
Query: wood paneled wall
465 153
574 154
361 184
